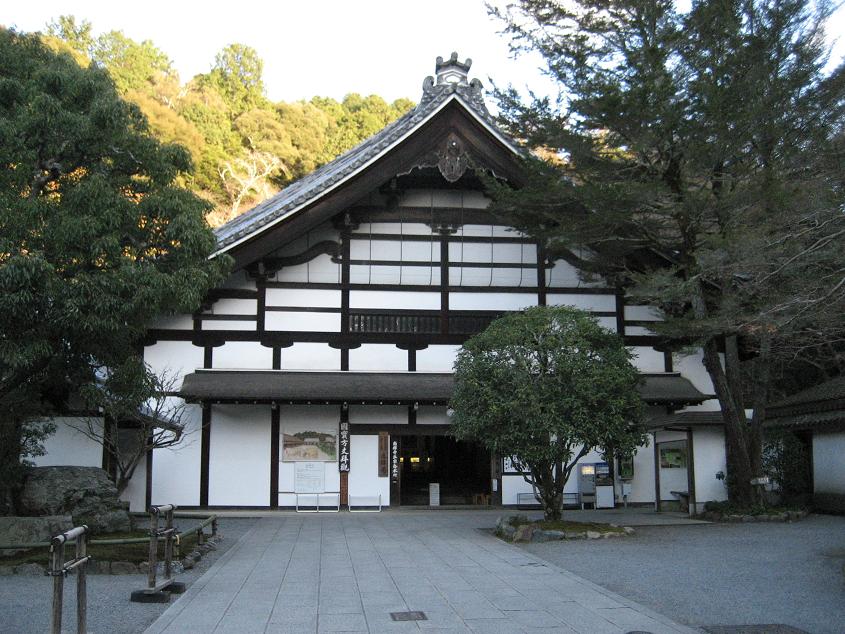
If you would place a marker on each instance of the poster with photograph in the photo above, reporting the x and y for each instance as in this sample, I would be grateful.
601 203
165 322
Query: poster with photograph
673 457
309 442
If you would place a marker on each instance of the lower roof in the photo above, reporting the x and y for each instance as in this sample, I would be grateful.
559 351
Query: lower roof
375 387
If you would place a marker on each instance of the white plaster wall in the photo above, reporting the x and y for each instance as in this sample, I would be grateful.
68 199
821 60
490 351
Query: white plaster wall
176 470
602 303
239 280
642 313
638 331
408 228
175 322
512 485
829 462
321 270
404 250
437 358
378 415
239 457
607 322
477 276
228 324
175 358
363 471
648 359
229 306
302 321
242 355
70 447
485 231
290 416
491 301
310 356
691 367
394 299
444 198
432 415
642 485
562 273
378 356
708 445
315 298
136 491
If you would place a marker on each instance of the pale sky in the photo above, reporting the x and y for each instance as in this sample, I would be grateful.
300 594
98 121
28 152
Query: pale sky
317 47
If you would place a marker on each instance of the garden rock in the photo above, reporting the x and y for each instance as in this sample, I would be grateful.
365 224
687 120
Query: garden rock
548 536
524 533
28 530
593 535
187 563
85 493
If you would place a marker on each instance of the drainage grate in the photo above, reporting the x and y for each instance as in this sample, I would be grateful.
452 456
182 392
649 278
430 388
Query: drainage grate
412 615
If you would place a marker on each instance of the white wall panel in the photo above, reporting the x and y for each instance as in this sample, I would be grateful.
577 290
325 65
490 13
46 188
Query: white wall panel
176 470
407 228
601 303
432 415
828 462
491 301
708 446
381 357
469 199
175 322
173 358
293 417
229 306
642 485
302 322
363 472
473 276
228 325
310 356
136 491
321 269
638 331
239 459
485 231
642 313
407 251
70 447
691 367
648 359
378 415
312 298
242 355
437 358
607 322
239 280
394 299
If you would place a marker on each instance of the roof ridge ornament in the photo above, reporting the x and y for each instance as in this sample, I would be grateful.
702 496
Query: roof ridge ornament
452 77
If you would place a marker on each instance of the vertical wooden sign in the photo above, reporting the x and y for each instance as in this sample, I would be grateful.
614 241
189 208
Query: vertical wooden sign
343 441
383 454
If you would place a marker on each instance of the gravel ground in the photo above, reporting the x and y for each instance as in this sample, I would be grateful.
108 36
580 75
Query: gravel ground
25 602
722 574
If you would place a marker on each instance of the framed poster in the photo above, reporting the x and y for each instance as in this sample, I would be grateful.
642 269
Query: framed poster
309 477
673 457
512 466
309 442
625 467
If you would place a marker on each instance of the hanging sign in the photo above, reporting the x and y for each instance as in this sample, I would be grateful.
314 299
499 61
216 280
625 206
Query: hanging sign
309 477
343 453
394 467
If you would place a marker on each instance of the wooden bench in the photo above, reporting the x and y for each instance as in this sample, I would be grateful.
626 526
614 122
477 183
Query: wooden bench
364 503
530 501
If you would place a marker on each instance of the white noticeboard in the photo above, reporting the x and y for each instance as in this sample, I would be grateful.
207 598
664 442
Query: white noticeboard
604 497
309 477
434 494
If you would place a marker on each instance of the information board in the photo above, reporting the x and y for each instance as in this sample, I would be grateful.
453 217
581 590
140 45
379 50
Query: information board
309 477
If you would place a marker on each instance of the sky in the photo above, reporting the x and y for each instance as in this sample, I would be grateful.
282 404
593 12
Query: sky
319 47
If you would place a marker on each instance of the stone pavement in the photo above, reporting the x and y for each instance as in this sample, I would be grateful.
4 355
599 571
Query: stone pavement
348 573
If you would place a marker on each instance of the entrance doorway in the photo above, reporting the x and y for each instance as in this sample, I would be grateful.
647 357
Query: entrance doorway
462 469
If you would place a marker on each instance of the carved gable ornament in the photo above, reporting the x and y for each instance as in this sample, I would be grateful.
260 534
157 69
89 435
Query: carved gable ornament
452 160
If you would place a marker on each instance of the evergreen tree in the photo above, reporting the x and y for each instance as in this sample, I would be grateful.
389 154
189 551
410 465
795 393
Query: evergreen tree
699 156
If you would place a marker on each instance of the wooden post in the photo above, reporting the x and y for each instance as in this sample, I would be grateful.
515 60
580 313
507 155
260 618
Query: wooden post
168 543
57 564
151 574
82 584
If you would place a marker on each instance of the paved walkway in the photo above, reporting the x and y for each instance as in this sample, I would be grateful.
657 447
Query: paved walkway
348 572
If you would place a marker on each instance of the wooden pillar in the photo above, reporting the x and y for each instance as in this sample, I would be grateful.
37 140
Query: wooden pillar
656 474
541 276
275 426
205 453
444 283
690 472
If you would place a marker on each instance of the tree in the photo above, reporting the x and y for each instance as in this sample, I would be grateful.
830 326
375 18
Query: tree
699 155
237 76
96 241
127 431
547 386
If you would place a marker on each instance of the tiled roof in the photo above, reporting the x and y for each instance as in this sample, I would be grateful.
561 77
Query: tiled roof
322 180
827 391
281 385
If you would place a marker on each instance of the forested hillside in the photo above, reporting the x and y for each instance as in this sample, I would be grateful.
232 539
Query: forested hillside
245 148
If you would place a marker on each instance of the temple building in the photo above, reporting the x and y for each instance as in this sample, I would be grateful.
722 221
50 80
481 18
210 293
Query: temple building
320 372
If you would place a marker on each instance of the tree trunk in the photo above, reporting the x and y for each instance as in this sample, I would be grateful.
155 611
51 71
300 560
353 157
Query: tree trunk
11 471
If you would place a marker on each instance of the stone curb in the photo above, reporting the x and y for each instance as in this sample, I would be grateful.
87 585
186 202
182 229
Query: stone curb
529 533
96 567
786 516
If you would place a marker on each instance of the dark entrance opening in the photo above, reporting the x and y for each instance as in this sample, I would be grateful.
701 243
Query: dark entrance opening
462 469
